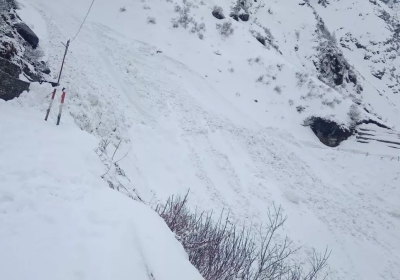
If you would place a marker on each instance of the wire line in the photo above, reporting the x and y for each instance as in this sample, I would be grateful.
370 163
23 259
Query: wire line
83 21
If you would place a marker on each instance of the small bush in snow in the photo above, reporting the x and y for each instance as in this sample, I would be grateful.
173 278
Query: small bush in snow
329 103
301 78
218 12
258 59
175 24
221 250
300 108
278 89
145 7
225 29
260 79
122 9
297 33
291 102
336 100
231 70
184 15
177 8
279 66
202 26
151 20
201 36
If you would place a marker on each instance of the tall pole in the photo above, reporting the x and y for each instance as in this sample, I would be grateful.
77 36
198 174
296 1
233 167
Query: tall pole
62 65
61 107
51 103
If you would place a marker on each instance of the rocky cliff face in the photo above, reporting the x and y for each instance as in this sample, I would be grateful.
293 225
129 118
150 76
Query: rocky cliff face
19 53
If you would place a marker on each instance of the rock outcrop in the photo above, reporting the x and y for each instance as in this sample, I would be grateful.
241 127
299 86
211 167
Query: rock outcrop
328 132
27 33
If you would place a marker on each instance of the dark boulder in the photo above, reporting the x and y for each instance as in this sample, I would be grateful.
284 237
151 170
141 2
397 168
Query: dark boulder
11 87
27 34
328 132
261 39
244 17
9 68
234 16
218 13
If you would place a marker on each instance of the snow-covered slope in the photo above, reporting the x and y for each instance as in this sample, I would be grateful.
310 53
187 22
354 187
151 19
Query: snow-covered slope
223 115
59 219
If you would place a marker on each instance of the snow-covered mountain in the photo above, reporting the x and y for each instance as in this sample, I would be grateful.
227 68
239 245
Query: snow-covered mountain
244 103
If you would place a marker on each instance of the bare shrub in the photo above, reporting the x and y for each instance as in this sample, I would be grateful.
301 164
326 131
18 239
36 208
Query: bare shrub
184 15
225 29
336 100
198 27
201 36
145 7
328 103
177 8
297 33
151 20
201 26
301 78
300 108
231 70
260 79
258 59
278 89
291 102
122 9
221 250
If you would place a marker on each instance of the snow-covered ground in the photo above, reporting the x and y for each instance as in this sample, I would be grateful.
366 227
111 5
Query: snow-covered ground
191 114
59 219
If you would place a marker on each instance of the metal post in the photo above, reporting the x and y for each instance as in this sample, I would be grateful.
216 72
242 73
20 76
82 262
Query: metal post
51 103
62 65
61 107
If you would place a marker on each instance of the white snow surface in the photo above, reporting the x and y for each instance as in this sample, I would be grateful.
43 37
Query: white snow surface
187 122
59 219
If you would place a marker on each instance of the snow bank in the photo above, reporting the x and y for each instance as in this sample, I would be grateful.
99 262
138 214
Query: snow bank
59 219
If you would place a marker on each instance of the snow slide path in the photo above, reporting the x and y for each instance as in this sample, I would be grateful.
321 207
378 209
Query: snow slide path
58 218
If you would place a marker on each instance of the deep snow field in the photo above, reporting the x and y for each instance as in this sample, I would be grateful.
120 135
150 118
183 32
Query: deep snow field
191 115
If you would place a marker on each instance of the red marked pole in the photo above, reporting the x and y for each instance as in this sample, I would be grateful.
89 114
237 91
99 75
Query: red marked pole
51 103
61 106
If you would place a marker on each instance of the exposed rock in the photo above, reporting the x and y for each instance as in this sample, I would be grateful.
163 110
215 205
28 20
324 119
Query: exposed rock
27 34
11 87
244 17
7 50
218 13
9 68
234 16
328 132
378 74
